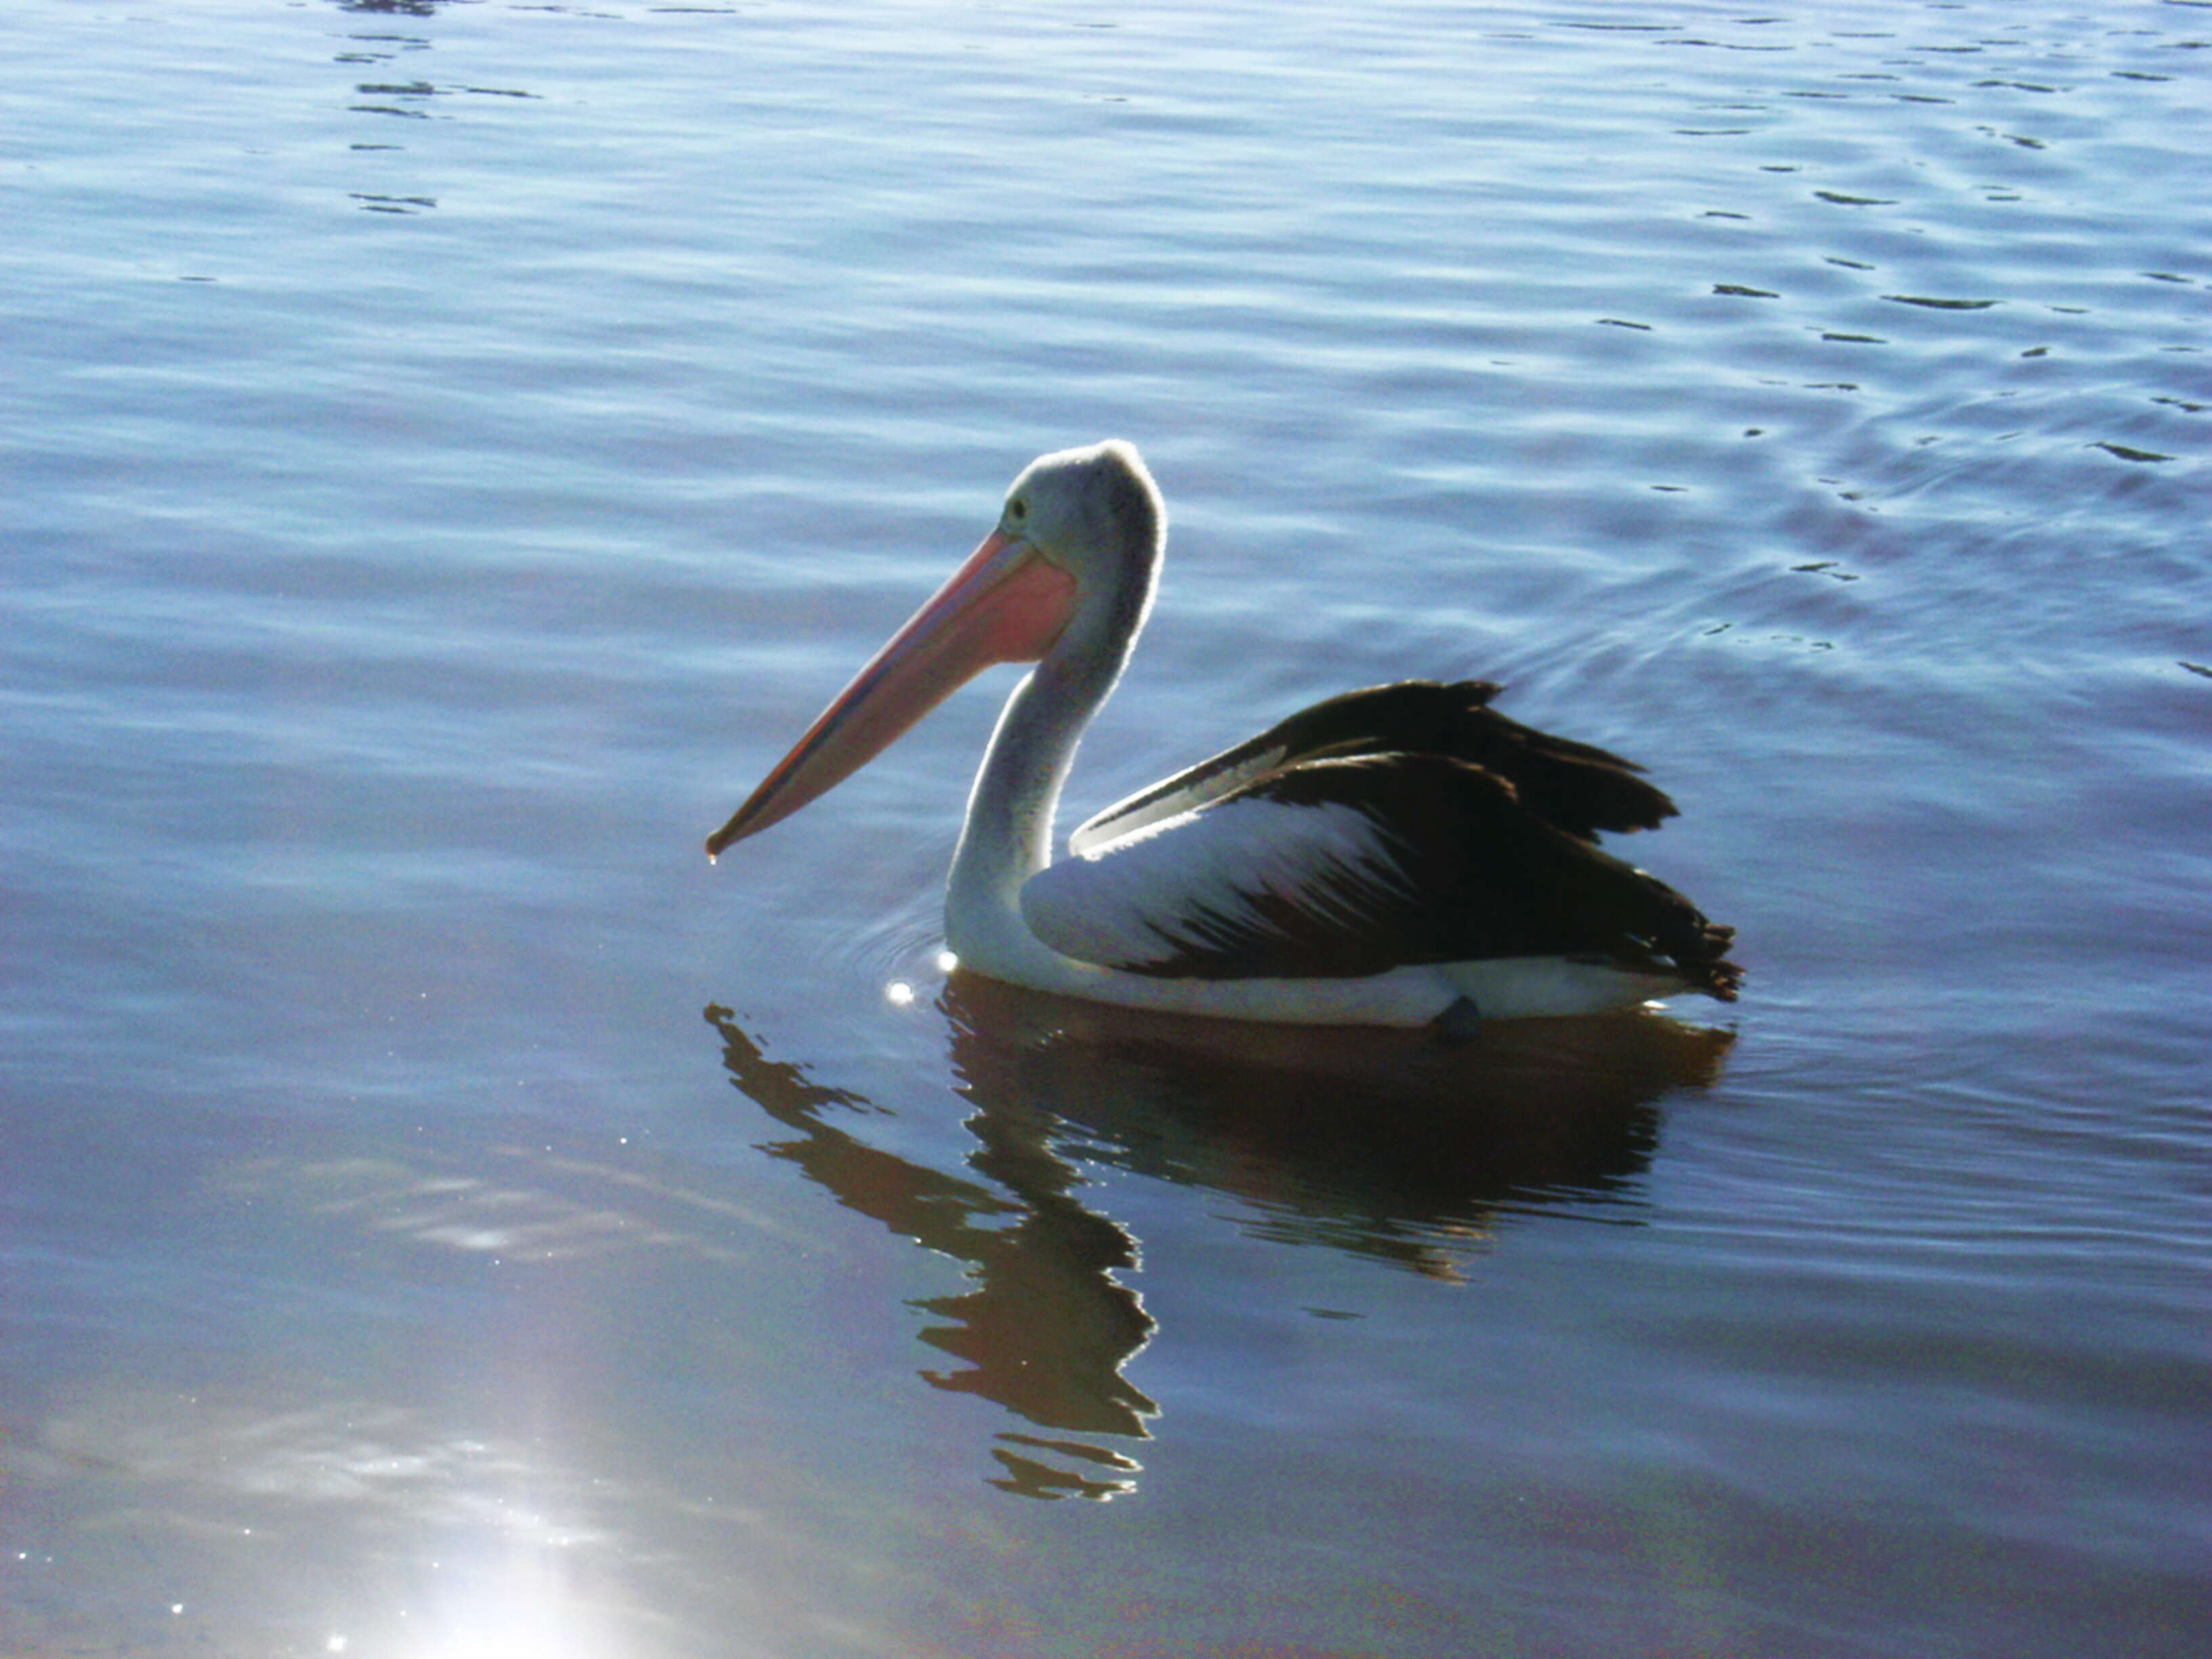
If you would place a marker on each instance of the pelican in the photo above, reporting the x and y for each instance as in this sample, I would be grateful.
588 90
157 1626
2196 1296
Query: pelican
1402 855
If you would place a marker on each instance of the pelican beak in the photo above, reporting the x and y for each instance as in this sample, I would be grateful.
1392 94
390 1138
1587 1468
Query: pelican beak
1006 603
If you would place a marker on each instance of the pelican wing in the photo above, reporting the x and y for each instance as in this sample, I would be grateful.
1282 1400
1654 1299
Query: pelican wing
1347 866
1574 787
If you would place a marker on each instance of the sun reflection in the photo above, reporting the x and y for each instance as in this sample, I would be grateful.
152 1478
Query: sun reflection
535 1602
480 1546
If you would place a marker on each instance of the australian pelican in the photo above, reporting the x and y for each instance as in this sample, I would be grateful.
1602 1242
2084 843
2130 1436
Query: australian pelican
1394 856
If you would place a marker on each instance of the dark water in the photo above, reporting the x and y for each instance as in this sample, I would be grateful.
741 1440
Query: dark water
451 450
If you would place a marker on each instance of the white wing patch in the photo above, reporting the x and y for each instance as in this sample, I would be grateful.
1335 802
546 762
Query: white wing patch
1185 792
1142 898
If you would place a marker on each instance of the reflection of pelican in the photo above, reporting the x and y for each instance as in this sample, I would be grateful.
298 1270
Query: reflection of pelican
1046 1327
1387 858
1378 1143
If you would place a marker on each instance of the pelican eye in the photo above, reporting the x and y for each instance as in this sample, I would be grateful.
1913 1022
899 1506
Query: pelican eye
1018 509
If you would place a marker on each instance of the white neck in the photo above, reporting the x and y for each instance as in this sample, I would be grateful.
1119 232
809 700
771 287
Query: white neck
1008 836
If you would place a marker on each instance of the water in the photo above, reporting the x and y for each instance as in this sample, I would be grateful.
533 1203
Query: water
453 449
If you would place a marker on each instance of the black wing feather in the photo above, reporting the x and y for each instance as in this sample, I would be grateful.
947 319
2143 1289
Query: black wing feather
1574 786
1474 876
1577 787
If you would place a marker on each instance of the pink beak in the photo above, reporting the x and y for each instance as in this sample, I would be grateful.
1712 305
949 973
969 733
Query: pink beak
1006 603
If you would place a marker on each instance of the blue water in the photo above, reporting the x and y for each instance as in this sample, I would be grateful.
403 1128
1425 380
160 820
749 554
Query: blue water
452 451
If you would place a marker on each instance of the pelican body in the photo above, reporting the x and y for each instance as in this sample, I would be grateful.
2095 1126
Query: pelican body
1400 855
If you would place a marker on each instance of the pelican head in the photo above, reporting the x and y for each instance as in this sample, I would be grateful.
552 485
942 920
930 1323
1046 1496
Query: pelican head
1085 509
1067 575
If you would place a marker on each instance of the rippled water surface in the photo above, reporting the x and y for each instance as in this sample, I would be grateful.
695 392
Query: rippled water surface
451 450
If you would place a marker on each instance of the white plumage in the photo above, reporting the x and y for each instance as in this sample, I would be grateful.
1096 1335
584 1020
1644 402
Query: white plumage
1161 890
